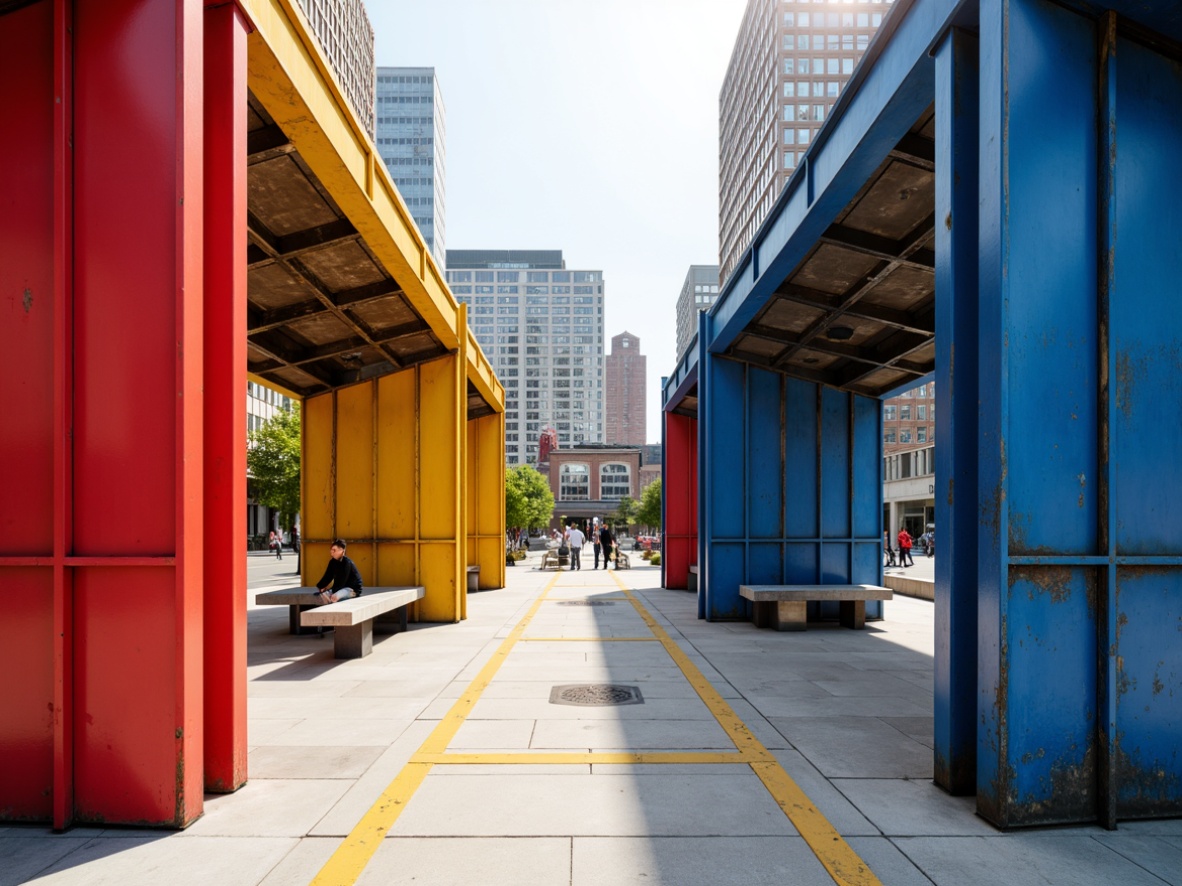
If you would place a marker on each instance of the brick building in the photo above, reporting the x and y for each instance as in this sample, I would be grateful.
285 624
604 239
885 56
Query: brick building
590 479
624 393
909 420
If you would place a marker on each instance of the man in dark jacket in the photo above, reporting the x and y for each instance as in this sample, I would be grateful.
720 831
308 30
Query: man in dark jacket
605 542
342 574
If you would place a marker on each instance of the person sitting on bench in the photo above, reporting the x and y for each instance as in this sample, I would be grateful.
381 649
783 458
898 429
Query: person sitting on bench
342 574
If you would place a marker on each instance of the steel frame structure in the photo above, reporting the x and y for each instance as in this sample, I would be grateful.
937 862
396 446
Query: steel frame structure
1055 346
124 321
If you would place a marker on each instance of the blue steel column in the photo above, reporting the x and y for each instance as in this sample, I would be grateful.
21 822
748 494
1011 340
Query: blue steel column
704 485
1039 423
957 102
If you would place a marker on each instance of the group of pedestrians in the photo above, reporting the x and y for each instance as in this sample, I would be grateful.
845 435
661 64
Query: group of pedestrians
602 542
927 541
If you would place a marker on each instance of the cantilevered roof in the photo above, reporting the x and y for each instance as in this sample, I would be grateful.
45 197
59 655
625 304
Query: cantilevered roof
323 311
341 285
858 311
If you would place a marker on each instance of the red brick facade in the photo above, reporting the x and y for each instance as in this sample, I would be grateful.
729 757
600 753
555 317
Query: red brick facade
624 393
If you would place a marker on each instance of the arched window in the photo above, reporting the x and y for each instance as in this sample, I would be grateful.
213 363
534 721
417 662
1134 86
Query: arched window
615 481
574 482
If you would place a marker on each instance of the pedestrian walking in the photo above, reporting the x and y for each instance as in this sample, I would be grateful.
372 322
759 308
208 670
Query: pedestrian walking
606 541
886 547
905 548
576 540
275 542
596 546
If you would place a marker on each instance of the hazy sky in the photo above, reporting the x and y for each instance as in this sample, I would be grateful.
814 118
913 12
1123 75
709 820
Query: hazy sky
590 127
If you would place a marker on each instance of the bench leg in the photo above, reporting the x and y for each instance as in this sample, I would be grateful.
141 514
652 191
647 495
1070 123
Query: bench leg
853 614
763 614
791 615
353 641
391 622
293 621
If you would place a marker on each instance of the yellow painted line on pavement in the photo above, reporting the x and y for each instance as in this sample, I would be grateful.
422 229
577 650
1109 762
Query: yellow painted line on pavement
843 864
662 757
350 858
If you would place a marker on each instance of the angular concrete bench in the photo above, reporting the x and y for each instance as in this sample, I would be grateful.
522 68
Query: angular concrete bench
473 578
784 606
352 619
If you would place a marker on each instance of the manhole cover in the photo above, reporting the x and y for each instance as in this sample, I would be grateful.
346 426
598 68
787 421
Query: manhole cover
586 603
596 694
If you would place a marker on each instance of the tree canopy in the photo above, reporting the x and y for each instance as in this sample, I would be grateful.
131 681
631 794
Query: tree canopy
273 460
649 514
625 513
529 503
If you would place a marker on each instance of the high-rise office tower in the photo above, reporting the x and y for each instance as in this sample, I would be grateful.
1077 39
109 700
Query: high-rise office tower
541 326
698 293
346 36
624 394
410 138
790 62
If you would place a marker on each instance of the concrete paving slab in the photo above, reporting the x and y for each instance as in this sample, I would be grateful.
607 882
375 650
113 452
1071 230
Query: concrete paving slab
887 862
261 732
300 689
1050 858
350 708
631 735
1158 855
271 808
29 854
830 802
678 861
303 861
653 708
197 861
508 735
331 761
827 705
856 747
444 769
593 805
468 861
425 688
907 808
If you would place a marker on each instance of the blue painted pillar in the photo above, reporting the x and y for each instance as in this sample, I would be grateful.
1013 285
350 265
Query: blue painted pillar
1079 561
793 486
957 103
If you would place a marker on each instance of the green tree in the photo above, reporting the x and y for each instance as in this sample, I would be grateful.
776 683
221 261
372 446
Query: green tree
529 503
625 513
273 460
649 514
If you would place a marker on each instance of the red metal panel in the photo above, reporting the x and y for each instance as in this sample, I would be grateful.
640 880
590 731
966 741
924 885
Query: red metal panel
27 321
26 724
138 304
681 499
225 398
125 728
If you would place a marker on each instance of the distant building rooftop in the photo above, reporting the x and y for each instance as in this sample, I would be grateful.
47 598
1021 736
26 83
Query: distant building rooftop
506 258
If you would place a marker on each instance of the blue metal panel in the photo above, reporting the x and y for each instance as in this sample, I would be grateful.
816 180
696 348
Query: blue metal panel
802 518
957 97
835 464
724 503
765 467
1149 710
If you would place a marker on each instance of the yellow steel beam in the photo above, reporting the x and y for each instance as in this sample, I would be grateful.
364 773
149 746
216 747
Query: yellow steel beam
288 73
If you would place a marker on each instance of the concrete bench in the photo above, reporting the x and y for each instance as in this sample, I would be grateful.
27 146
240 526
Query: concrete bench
784 606
622 561
352 619
691 581
473 578
553 559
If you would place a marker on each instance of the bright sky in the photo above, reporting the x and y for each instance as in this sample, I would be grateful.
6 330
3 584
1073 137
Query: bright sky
590 127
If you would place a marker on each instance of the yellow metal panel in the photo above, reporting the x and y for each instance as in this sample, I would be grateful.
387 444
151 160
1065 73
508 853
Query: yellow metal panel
319 501
397 444
440 577
486 498
396 564
355 435
314 558
439 402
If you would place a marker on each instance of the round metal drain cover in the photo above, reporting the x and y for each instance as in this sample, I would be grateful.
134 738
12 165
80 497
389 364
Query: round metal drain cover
586 603
596 695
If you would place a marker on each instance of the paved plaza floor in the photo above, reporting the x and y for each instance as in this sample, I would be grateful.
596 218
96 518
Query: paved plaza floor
460 754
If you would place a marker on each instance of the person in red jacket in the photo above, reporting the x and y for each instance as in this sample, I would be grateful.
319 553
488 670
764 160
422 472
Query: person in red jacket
905 547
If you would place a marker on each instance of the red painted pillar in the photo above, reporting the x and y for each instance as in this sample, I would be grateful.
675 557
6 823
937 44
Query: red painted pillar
681 498
137 411
30 398
225 398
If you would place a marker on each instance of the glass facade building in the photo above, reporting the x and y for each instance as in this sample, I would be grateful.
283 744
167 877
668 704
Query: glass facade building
541 326
411 136
346 36
698 293
791 60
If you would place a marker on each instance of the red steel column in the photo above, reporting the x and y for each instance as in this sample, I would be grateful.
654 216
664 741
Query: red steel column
681 499
137 442
225 398
30 319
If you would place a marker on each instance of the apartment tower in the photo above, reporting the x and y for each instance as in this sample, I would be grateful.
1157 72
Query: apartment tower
624 395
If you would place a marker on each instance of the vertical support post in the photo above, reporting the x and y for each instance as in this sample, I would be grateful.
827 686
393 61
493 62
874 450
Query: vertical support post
137 411
677 499
1107 640
957 97
461 467
705 487
225 388
484 495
